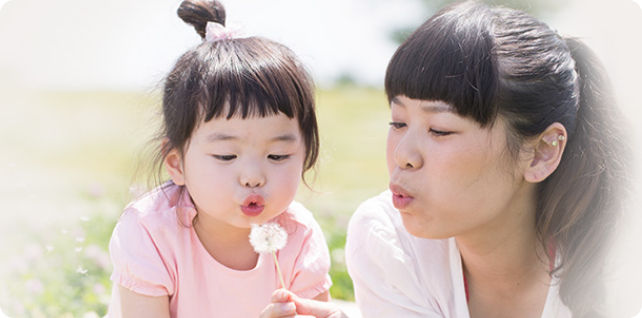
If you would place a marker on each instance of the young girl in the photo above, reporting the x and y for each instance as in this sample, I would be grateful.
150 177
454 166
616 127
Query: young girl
505 156
239 132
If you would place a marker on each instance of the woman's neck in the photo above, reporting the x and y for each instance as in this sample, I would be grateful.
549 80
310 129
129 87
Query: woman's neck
504 265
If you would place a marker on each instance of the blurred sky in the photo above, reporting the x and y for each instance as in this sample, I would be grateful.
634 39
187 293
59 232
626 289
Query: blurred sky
123 44
132 44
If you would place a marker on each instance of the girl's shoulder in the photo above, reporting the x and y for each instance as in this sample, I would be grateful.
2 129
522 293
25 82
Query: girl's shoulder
159 210
297 218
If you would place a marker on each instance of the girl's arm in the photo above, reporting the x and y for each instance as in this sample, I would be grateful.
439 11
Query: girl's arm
133 304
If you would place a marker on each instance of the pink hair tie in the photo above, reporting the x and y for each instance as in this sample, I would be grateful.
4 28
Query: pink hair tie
216 32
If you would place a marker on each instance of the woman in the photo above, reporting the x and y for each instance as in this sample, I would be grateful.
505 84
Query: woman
504 154
505 161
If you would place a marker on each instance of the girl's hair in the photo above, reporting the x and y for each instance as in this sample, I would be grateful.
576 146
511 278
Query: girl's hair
254 76
491 62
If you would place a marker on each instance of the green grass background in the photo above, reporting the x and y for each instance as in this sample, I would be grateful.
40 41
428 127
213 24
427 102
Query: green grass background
71 161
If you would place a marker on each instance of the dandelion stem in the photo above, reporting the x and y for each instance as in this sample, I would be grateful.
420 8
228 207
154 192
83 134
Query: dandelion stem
278 269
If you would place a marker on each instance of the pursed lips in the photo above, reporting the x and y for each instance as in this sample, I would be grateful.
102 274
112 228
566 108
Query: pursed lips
253 205
400 196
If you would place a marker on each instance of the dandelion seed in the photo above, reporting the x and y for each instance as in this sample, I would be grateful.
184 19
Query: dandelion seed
269 238
81 270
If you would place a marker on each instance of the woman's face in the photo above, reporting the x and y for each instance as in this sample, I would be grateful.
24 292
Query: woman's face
449 176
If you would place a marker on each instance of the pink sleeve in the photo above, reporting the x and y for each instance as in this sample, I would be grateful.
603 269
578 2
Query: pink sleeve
138 264
310 277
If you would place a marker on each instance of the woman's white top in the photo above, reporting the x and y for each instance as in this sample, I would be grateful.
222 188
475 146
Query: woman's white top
396 274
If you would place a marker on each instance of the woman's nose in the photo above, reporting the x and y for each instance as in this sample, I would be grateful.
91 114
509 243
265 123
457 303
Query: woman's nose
407 154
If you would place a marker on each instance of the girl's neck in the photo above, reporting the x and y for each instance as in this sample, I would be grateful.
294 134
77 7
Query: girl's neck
504 258
227 244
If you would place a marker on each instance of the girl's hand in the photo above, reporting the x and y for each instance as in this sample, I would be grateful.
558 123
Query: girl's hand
280 308
281 300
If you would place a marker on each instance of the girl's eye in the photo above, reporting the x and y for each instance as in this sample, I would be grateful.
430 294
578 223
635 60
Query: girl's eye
278 157
224 157
439 133
397 125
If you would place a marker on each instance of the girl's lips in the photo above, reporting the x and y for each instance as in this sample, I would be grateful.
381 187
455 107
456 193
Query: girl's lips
253 205
400 198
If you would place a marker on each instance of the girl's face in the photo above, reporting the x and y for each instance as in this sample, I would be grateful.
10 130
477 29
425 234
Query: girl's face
449 176
243 171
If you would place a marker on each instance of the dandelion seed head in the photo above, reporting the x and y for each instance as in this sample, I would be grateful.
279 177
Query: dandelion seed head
268 238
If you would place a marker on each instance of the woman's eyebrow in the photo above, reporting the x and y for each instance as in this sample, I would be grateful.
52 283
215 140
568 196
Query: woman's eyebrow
428 106
437 108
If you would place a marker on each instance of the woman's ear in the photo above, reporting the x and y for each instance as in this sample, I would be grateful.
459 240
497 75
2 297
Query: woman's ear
548 149
174 165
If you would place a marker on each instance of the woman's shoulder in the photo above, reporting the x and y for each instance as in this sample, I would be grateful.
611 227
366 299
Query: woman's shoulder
379 249
377 227
376 213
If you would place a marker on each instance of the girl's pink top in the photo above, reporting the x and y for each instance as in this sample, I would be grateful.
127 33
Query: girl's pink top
155 251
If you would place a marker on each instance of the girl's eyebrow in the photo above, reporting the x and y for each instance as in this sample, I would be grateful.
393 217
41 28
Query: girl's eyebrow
284 138
220 137
223 137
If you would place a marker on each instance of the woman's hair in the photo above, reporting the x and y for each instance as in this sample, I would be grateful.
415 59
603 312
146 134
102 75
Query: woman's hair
491 62
254 76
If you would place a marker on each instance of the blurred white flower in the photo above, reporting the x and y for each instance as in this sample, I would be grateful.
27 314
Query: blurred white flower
34 286
268 238
2 315
81 270
90 314
338 256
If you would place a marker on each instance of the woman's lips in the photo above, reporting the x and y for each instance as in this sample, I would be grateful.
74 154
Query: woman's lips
253 205
400 198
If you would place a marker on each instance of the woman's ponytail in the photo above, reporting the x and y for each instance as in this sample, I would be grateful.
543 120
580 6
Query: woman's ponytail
581 201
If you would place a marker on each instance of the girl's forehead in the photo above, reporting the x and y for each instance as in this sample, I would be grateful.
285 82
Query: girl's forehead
277 127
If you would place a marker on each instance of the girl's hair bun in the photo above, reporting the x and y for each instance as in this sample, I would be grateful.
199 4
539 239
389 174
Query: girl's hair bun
199 12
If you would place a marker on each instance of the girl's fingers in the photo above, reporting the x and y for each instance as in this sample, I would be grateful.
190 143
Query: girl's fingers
279 310
281 296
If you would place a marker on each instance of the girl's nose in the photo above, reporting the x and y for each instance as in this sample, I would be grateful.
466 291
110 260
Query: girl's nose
407 154
252 179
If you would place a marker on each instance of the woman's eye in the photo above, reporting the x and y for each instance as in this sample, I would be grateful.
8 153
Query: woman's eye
397 125
439 133
224 157
278 157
